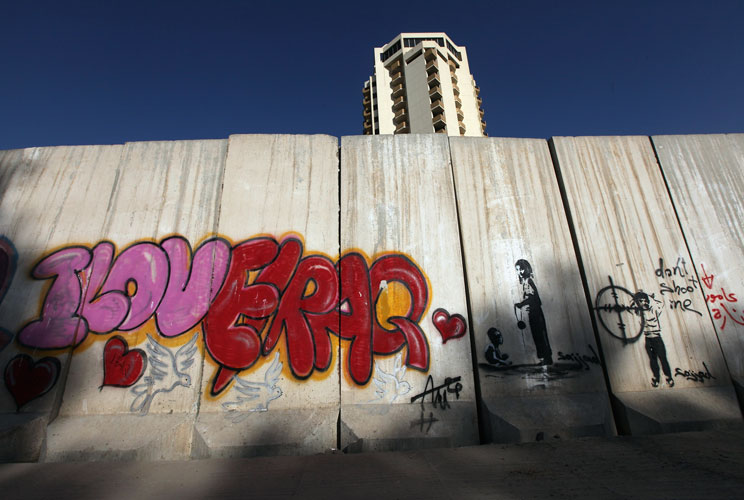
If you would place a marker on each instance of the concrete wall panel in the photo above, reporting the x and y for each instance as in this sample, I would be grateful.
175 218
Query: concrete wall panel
704 174
406 377
50 199
545 376
630 242
278 189
128 390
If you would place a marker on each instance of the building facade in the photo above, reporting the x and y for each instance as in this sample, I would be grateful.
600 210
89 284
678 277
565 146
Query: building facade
421 85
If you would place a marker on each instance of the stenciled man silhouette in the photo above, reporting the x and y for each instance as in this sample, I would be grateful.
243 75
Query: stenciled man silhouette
649 312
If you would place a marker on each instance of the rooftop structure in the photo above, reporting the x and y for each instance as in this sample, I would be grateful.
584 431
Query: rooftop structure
422 84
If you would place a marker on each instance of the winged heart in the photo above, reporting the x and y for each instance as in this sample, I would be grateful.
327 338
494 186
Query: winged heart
122 367
449 326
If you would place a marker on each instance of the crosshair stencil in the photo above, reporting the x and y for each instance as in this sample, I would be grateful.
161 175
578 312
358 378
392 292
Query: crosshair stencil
617 312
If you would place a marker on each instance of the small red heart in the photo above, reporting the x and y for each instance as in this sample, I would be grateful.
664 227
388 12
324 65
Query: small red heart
450 327
122 367
27 380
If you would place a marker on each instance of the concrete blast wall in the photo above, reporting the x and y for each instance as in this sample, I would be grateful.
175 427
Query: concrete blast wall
275 294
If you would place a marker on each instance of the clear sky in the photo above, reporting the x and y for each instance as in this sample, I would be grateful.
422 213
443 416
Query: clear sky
109 71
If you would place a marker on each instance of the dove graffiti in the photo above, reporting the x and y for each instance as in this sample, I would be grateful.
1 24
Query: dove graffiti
256 396
390 386
166 371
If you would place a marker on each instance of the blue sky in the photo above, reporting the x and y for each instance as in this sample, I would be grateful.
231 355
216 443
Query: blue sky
109 72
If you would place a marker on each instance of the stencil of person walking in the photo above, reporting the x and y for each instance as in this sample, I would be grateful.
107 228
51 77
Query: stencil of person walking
655 348
532 305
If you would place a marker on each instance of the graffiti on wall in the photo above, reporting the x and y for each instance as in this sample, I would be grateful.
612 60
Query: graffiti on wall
244 298
8 264
391 385
723 305
437 396
255 396
678 284
628 316
531 325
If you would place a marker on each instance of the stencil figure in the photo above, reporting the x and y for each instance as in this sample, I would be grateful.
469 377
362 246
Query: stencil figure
256 396
493 352
649 312
532 305
166 371
391 385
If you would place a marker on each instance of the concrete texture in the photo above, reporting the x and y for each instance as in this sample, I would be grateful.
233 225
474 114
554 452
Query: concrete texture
705 179
161 189
49 198
244 297
510 209
629 240
277 186
115 437
397 197
669 466
516 419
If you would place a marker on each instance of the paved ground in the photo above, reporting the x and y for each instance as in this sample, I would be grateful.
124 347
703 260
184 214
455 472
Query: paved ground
687 465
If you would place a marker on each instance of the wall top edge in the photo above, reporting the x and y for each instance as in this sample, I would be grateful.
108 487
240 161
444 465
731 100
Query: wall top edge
369 137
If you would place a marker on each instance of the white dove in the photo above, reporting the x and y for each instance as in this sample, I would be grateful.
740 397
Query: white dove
390 386
166 372
258 394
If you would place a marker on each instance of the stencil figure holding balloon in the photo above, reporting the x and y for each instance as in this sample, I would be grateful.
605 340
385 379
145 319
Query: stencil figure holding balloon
532 306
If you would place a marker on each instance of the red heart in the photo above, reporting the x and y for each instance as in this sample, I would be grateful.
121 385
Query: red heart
450 327
27 380
122 367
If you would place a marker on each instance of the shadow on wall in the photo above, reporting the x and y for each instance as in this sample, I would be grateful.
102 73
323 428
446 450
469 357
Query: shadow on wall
125 356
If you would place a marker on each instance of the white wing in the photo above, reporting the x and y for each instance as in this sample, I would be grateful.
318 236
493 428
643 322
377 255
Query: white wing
185 355
160 359
251 390
384 381
400 368
272 374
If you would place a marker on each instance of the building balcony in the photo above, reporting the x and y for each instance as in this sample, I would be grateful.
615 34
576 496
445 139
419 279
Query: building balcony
437 107
458 102
367 112
477 90
481 112
398 90
367 101
396 79
462 128
479 101
402 128
435 93
430 54
399 102
431 66
460 115
433 80
454 78
365 90
455 90
396 65
442 130
439 122
400 116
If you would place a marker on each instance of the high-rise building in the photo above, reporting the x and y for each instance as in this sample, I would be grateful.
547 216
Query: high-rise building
421 85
